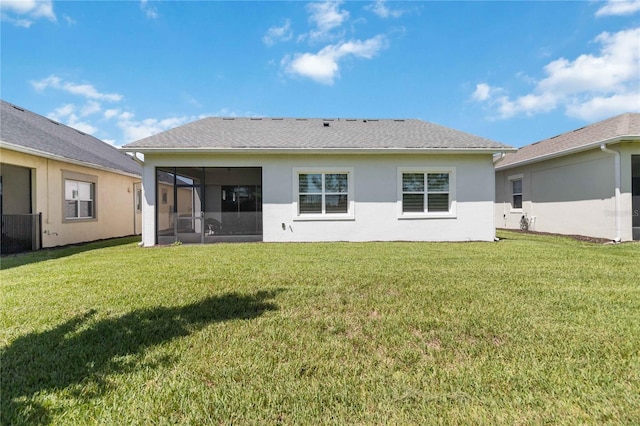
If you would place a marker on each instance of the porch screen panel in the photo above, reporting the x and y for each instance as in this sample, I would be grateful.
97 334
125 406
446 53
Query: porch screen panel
165 204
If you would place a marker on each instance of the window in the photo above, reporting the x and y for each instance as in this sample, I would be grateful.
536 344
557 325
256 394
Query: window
138 200
515 187
516 192
78 199
324 194
426 193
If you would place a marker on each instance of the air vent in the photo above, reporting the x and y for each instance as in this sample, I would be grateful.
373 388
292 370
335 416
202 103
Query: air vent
325 124
18 108
55 122
256 119
399 121
84 134
228 119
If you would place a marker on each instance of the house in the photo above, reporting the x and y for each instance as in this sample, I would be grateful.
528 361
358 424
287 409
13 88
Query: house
583 182
296 179
60 186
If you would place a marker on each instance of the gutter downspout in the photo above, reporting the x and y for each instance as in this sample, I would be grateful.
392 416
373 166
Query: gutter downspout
616 167
496 160
134 156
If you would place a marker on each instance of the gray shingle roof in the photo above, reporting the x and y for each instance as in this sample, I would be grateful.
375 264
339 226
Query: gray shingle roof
312 134
619 126
29 130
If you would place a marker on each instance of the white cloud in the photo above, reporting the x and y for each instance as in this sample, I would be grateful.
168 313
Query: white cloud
617 65
84 127
86 90
61 112
110 113
67 114
90 108
380 8
23 13
601 106
150 11
138 129
619 7
276 34
326 16
323 66
591 86
482 92
69 20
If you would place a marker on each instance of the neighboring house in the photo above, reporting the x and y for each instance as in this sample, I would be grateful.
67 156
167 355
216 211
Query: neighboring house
583 182
288 179
61 186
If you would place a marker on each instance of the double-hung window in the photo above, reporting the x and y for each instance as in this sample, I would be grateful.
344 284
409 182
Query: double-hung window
516 192
515 183
323 193
427 192
78 199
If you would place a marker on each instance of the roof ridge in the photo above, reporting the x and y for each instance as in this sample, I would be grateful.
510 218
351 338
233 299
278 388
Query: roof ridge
282 118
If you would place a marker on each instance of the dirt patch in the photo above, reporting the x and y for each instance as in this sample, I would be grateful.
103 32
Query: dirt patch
583 238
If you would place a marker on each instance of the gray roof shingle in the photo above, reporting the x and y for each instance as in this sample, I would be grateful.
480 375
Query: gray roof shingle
627 124
27 129
313 134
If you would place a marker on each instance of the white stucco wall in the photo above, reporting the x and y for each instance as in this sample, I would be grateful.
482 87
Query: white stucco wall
375 194
570 195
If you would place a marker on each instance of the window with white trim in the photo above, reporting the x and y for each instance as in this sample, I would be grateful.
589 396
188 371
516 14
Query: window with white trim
426 192
515 190
79 199
323 193
516 194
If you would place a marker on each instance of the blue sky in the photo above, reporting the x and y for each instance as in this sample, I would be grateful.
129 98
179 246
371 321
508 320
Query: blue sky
515 72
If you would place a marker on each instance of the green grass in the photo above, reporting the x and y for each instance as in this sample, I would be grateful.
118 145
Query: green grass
529 330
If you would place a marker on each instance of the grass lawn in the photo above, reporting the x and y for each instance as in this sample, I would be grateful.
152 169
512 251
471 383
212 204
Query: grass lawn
532 329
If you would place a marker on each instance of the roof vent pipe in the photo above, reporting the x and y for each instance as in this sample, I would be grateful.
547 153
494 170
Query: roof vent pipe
616 168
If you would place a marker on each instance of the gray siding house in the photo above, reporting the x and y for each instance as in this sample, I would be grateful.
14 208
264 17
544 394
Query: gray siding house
583 182
288 179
